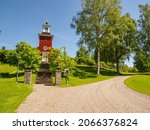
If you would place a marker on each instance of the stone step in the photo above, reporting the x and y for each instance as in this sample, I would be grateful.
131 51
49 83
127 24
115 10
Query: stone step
44 75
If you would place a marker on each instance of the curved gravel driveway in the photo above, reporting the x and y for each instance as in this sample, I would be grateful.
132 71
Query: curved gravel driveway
105 96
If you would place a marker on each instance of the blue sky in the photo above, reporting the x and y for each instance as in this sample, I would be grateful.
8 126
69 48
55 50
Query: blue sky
21 20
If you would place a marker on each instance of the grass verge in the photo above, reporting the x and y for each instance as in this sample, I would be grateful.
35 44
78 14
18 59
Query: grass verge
140 83
12 93
87 74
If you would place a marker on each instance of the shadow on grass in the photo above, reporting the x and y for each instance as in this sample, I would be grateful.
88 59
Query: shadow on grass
107 72
8 75
84 72
20 82
132 74
147 73
136 73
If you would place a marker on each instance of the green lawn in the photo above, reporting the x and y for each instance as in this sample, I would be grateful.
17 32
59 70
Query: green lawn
12 93
5 68
140 83
87 74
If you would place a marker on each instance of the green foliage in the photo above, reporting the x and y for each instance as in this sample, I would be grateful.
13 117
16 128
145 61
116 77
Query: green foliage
105 30
90 23
103 64
83 57
12 57
133 69
3 55
124 68
142 57
140 83
27 56
59 60
55 59
122 34
142 61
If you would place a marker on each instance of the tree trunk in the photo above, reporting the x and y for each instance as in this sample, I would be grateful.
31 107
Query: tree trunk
117 61
17 72
117 66
98 60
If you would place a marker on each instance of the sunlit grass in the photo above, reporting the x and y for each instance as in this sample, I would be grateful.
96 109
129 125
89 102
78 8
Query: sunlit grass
87 74
5 68
140 83
12 93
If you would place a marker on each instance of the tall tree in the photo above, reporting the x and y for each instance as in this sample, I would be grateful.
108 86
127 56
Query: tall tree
28 56
90 23
24 57
122 34
142 57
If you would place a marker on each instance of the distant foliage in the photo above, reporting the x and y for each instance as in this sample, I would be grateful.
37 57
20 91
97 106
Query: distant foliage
142 56
3 55
124 68
133 69
12 57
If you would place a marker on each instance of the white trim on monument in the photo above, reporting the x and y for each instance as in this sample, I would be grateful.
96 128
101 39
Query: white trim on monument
45 57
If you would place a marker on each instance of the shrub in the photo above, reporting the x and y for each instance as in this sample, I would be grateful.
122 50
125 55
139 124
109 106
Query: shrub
103 65
133 69
124 68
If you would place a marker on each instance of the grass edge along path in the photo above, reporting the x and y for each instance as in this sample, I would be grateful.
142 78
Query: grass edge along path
12 94
140 83
75 81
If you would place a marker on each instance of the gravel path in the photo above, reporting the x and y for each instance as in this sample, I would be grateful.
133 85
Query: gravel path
105 96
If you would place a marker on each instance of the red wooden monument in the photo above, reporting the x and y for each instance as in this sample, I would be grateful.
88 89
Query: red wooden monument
45 42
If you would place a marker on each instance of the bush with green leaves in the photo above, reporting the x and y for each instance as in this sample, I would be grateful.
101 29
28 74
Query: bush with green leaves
83 57
133 69
59 60
124 68
25 55
103 64
3 55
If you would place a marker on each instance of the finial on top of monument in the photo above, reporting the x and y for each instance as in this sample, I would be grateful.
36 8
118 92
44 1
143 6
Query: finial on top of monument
46 27
46 20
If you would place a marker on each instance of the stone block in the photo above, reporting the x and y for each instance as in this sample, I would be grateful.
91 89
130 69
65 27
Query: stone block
58 77
27 76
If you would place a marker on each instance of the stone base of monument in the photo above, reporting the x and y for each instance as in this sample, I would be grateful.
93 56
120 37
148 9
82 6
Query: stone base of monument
27 76
44 75
58 77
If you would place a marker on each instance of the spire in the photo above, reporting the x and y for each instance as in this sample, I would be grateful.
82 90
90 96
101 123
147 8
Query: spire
46 20
46 27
